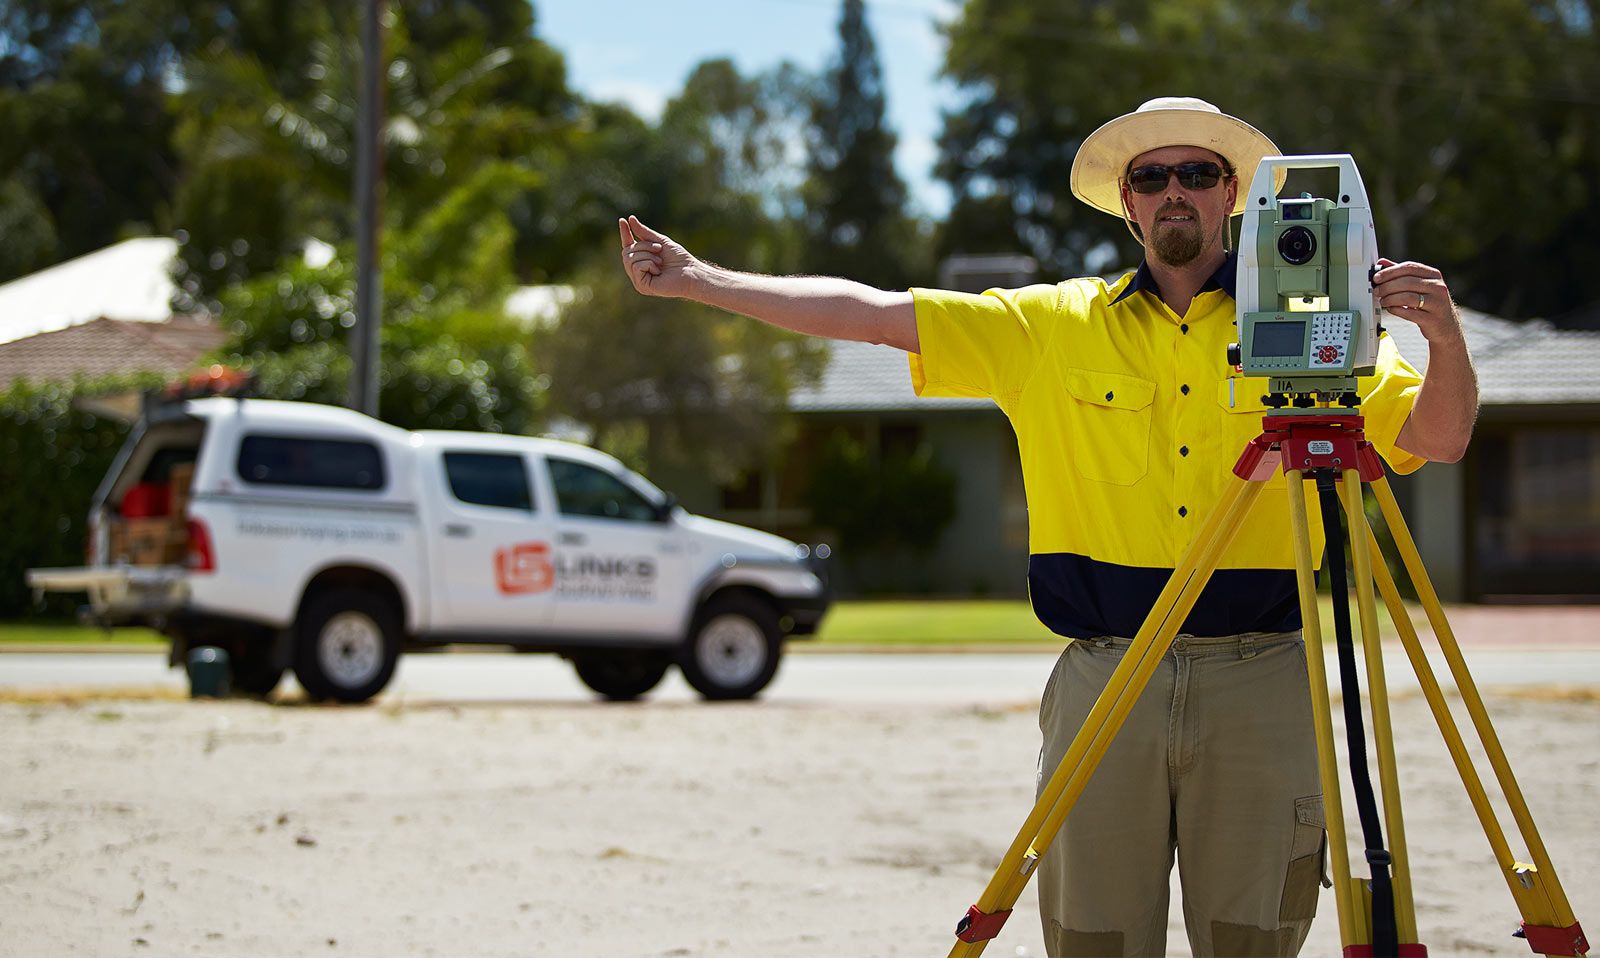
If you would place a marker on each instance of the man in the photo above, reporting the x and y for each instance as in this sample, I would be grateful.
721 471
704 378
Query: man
1127 429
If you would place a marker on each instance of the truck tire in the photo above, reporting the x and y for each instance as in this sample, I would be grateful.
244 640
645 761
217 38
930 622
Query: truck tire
621 675
346 644
733 648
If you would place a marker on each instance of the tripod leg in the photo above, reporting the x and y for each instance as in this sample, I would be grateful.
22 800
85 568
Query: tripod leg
1351 929
1405 911
1434 695
1536 888
1109 712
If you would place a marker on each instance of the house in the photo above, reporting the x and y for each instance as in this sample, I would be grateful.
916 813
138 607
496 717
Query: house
1517 518
104 313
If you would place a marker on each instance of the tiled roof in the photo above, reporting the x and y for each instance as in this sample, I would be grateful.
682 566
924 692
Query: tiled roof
1517 363
128 280
107 346
865 377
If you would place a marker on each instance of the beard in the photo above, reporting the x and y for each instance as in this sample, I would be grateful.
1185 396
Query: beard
1177 244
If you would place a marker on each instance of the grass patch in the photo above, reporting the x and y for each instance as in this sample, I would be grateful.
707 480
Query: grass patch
981 622
934 622
64 633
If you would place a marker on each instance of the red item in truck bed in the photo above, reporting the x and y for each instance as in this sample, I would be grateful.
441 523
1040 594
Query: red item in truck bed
146 500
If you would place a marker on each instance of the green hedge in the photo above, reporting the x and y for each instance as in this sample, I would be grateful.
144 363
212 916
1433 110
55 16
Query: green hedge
52 456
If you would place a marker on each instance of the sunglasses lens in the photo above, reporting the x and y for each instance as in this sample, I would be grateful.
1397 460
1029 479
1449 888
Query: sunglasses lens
1199 176
1148 179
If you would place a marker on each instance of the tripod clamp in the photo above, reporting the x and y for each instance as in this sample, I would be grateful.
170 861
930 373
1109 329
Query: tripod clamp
1309 443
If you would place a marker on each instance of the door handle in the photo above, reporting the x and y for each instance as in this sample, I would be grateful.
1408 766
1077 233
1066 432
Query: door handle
458 531
573 538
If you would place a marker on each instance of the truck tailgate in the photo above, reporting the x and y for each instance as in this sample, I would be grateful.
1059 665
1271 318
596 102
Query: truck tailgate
119 592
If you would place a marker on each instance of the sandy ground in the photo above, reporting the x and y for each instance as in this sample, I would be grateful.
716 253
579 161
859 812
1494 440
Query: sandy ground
240 828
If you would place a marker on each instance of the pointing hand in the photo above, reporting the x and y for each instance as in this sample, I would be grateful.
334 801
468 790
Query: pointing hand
656 265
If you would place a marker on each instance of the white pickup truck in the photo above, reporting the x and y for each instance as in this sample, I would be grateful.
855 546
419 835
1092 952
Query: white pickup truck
296 535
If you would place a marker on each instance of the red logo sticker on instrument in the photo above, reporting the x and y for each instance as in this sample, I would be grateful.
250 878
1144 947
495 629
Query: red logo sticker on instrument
524 568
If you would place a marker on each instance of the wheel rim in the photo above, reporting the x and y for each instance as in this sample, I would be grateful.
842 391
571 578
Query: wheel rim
732 651
350 649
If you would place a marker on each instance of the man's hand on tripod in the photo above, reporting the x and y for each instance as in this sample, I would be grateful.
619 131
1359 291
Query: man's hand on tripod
656 265
1417 292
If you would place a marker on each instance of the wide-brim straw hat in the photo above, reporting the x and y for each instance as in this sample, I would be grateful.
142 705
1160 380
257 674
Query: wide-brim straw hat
1103 159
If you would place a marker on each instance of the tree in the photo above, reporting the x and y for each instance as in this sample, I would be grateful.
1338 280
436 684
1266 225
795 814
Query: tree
268 167
1442 102
666 381
855 200
450 357
86 154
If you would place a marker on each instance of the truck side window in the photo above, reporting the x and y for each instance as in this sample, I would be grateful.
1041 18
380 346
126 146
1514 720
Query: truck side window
304 461
583 490
489 479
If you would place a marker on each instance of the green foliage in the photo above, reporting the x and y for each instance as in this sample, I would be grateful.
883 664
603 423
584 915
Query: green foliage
449 110
449 356
884 510
706 387
52 456
855 201
1476 124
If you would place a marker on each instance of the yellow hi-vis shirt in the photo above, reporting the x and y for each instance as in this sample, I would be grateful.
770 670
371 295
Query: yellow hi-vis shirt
1123 419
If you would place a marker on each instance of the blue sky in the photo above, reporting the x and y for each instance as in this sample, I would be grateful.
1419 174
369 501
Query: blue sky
641 53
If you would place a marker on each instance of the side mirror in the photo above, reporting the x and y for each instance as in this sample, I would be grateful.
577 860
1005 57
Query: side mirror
664 508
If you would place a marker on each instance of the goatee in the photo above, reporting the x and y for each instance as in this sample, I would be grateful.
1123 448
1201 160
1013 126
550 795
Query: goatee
1177 244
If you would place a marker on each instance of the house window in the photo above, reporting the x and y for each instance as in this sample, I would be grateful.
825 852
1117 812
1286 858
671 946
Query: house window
1538 528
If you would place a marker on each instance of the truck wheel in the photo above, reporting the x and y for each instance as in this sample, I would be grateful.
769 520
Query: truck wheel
621 675
254 671
733 648
346 644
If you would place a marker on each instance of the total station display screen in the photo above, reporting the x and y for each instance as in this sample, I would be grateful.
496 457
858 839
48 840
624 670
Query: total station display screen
1279 339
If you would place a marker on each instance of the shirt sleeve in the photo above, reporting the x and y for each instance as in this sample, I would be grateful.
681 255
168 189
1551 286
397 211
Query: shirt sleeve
1386 400
983 346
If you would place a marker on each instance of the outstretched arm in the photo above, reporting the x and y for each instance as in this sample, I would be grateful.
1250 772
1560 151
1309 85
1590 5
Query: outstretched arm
1440 425
814 305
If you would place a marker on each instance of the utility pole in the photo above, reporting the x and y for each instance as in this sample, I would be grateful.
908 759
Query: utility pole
369 215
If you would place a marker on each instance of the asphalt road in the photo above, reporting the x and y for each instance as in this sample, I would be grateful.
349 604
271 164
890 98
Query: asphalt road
819 678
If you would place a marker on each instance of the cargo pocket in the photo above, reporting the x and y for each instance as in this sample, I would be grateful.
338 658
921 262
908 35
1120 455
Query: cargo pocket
1110 425
1303 879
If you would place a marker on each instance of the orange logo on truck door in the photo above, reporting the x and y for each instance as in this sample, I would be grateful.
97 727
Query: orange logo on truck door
524 568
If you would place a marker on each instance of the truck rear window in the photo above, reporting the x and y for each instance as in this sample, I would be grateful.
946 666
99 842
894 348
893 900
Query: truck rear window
489 479
304 461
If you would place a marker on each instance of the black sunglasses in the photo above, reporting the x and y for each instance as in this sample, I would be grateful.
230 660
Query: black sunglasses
1194 175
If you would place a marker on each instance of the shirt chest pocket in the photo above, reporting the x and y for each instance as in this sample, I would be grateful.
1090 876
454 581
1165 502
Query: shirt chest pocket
1240 400
1109 419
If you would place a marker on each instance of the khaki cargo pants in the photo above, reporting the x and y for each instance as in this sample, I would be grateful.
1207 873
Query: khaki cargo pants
1216 764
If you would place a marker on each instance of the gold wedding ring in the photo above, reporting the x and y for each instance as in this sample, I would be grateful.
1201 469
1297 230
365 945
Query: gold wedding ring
1421 298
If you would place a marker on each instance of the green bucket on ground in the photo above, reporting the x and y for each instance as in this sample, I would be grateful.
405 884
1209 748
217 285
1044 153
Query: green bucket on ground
209 673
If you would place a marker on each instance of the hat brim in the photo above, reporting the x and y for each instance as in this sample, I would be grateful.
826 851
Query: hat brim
1104 157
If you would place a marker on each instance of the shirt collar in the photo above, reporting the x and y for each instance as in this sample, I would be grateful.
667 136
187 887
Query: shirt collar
1225 279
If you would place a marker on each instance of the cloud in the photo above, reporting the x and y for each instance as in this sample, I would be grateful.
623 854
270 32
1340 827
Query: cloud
645 99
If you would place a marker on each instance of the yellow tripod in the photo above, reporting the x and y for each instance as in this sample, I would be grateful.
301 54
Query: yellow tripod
1316 442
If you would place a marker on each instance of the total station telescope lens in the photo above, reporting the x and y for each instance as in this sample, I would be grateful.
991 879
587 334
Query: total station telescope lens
1297 245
